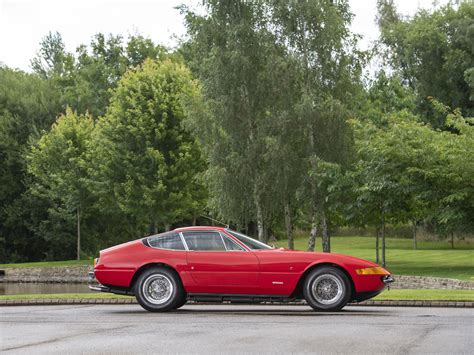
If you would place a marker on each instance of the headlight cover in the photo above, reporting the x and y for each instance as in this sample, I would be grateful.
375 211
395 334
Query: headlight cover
376 270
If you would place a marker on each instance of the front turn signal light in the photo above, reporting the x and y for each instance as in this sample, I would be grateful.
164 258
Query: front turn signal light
96 261
376 270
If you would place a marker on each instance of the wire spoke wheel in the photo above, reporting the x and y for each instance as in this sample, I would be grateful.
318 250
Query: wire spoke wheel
157 289
327 289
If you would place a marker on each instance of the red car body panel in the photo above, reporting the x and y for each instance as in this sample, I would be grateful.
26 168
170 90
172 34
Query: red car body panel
222 272
249 272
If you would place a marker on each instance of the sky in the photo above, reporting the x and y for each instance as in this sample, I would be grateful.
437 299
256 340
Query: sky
23 23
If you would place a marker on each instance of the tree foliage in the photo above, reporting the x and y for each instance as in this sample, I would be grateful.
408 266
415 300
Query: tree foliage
433 53
28 105
147 164
85 79
276 77
59 164
233 54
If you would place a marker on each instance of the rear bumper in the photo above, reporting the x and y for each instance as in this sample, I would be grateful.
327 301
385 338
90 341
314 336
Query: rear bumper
91 278
94 285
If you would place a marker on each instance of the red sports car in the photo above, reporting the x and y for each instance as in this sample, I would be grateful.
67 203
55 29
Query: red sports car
218 264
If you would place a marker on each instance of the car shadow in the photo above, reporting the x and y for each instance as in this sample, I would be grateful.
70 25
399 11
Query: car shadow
256 311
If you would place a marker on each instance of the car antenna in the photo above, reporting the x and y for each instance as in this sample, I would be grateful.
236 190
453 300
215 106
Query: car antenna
215 220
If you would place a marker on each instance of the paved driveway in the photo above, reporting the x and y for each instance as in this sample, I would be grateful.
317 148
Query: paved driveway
235 329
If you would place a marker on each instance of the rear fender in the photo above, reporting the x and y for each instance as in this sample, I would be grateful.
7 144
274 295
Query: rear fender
156 264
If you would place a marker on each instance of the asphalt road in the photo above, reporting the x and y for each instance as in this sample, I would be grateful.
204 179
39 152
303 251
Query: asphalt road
118 329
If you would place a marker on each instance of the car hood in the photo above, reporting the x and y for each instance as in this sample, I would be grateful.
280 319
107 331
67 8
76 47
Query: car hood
326 257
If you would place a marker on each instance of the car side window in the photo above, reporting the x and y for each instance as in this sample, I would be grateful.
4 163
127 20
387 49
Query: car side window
166 241
231 245
204 241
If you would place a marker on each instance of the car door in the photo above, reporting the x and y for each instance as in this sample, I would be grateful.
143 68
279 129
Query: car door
218 264
279 269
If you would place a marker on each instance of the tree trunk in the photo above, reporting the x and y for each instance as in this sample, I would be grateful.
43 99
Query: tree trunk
258 207
167 227
314 167
194 220
383 239
266 235
314 229
452 240
78 233
325 233
377 235
289 226
415 246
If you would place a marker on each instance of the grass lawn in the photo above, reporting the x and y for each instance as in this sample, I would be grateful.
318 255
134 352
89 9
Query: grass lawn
431 258
49 263
427 295
62 296
419 295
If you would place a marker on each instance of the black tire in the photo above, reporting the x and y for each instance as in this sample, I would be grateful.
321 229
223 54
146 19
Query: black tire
182 301
158 289
327 289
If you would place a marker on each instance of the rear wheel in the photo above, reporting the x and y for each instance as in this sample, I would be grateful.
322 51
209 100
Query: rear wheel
182 301
327 289
158 289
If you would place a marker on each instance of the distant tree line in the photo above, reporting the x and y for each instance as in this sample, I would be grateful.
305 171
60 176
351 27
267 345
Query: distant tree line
264 118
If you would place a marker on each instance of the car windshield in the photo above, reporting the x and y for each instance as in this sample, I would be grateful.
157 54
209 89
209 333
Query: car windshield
249 242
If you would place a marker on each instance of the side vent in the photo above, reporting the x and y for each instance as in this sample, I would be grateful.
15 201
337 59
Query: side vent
146 243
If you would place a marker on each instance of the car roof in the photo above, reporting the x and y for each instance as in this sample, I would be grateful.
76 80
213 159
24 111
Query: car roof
182 229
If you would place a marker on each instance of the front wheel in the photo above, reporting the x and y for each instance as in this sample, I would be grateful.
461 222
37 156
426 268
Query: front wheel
158 289
327 289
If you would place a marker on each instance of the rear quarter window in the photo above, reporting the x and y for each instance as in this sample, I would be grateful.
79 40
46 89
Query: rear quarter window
165 241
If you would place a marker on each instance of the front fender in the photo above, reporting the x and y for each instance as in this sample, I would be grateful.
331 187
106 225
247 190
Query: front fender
349 264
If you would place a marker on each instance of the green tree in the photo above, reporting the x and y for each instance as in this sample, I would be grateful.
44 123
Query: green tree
382 180
85 79
147 164
59 164
32 227
101 65
452 175
28 105
52 61
233 53
433 53
406 171
328 70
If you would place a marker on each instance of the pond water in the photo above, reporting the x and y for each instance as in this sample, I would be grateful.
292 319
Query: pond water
7 288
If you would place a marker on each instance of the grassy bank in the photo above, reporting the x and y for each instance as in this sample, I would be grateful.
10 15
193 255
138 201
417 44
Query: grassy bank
430 259
62 296
398 295
427 295
49 264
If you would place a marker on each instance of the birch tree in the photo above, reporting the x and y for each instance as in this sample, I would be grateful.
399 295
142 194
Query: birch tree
232 51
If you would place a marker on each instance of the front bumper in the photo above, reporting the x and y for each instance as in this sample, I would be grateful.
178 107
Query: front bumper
387 280
363 296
